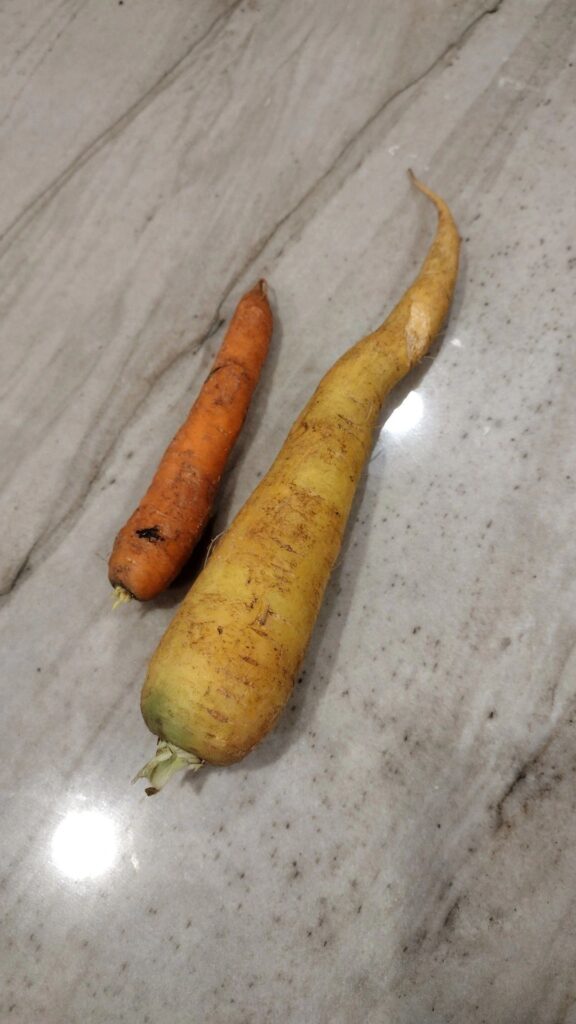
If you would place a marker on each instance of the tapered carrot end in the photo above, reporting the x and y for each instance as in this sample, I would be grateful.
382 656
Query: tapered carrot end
258 298
438 202
441 207
419 184
257 294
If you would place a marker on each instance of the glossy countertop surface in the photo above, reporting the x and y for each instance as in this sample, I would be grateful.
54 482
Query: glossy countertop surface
402 848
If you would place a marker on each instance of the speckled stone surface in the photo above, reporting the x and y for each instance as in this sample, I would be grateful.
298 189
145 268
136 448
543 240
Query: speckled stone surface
403 847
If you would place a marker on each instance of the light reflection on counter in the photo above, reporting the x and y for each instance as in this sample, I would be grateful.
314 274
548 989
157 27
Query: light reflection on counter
406 415
85 844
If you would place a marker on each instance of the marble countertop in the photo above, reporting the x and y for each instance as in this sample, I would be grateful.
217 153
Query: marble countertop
403 847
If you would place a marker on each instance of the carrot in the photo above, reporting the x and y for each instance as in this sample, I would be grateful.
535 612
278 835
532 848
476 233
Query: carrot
159 537
225 667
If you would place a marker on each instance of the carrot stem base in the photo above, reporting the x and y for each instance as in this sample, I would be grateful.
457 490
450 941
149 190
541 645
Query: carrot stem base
167 760
121 596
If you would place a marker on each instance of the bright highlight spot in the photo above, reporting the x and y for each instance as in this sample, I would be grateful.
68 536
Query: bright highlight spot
406 416
85 844
456 342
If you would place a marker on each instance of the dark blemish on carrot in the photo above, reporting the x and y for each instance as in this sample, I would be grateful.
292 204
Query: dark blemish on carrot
260 632
217 714
264 616
151 533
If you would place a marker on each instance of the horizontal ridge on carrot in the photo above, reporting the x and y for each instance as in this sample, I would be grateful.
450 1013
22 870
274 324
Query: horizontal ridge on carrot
154 545
226 665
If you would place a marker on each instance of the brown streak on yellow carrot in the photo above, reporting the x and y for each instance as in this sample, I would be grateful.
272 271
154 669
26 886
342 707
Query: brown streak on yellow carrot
277 556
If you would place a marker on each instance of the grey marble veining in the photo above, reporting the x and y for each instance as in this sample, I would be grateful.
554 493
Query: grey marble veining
401 848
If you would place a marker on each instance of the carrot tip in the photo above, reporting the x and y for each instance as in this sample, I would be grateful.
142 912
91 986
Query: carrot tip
167 760
121 596
439 203
416 181
263 286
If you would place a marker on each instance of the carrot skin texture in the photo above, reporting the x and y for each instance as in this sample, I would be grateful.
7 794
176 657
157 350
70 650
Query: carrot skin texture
155 543
226 665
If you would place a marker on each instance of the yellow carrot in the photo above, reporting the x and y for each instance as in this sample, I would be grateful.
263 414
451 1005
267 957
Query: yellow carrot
226 665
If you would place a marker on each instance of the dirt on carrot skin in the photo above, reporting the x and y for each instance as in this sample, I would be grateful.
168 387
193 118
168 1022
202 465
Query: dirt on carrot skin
151 533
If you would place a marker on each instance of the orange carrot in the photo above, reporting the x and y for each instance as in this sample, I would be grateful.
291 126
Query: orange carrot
157 540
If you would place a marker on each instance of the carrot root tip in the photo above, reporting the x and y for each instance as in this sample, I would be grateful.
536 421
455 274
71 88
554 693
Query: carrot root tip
167 760
415 181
